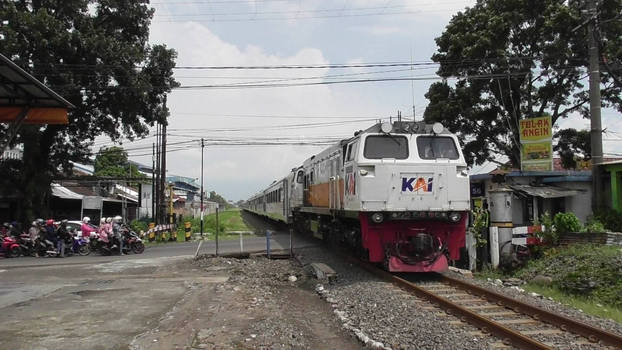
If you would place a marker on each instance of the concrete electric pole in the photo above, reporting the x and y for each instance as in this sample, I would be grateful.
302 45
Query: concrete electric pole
596 136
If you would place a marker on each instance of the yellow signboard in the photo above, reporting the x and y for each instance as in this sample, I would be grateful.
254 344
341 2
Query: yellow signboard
535 129
536 144
537 166
536 151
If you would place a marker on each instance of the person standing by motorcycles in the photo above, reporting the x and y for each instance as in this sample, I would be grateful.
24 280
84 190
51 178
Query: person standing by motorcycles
117 231
108 226
33 234
33 231
62 234
4 230
14 230
50 231
86 228
102 226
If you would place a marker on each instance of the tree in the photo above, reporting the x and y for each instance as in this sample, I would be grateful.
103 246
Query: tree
222 202
513 60
572 143
113 162
94 53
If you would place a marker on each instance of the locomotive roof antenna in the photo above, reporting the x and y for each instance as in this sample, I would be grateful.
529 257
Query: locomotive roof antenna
412 82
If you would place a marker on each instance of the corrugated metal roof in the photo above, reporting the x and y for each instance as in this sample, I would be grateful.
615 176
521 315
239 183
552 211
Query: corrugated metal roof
18 88
65 193
545 191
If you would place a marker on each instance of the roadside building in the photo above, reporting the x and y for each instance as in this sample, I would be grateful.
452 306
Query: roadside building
527 195
15 153
74 199
23 101
613 169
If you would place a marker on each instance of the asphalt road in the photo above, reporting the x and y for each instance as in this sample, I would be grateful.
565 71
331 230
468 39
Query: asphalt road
279 241
104 302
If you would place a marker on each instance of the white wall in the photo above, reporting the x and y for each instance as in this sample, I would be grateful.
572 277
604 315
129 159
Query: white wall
581 204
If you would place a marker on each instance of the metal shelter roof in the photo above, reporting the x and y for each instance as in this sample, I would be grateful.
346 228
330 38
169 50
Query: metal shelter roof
21 93
545 191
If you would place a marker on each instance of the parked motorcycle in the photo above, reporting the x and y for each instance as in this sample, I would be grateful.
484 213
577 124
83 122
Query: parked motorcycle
27 245
133 242
10 247
105 245
76 245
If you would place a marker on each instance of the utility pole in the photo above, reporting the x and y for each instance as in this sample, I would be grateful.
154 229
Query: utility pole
156 212
202 147
153 180
596 136
163 176
162 207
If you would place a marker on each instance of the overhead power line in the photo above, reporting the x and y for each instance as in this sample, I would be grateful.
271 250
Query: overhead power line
288 12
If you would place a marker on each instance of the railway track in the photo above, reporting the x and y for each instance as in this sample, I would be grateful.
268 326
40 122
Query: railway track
514 322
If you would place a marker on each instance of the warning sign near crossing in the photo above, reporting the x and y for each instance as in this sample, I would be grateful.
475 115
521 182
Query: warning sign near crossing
536 138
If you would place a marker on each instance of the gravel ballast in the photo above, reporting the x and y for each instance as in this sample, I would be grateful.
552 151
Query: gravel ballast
547 304
267 304
383 316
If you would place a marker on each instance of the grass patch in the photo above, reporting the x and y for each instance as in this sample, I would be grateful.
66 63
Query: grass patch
493 274
585 276
584 270
588 306
229 221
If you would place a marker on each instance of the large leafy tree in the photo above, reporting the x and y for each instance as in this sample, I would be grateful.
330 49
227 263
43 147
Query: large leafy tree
215 197
573 144
94 53
515 59
113 162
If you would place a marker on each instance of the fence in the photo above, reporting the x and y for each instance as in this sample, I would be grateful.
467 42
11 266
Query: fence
608 238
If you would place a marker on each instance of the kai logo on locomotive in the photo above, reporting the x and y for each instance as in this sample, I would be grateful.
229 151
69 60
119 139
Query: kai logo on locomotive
417 184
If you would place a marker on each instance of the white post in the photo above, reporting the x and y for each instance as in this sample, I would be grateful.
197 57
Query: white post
241 243
494 247
535 209
472 250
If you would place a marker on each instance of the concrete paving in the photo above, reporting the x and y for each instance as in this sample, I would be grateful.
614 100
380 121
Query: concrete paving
280 240
103 302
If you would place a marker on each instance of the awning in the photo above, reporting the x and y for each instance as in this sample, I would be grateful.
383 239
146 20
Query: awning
126 192
22 93
545 191
64 193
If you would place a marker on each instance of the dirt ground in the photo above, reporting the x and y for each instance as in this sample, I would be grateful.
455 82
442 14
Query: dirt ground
166 303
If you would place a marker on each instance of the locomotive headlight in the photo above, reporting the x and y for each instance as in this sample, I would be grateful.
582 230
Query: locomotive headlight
363 172
455 217
437 128
377 217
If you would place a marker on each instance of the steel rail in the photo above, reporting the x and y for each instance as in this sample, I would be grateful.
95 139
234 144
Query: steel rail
566 324
509 336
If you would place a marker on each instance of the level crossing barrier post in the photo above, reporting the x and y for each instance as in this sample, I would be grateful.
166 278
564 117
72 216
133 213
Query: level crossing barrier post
291 243
217 230
268 243
241 243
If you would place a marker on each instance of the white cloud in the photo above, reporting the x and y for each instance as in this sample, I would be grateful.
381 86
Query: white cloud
240 171
377 29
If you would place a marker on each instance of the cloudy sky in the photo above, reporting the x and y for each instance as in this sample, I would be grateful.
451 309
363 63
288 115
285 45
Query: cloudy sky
287 32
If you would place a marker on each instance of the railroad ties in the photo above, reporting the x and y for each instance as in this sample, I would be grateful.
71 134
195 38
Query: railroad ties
514 323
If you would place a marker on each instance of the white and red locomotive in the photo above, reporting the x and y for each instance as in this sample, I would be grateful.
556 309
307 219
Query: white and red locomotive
398 194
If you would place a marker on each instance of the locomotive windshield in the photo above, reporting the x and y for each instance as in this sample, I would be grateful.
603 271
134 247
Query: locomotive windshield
434 147
386 146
